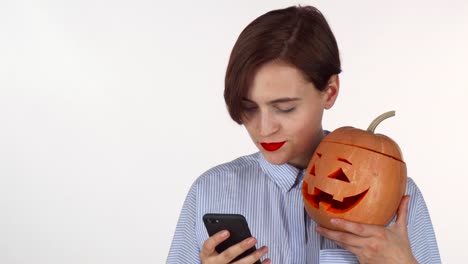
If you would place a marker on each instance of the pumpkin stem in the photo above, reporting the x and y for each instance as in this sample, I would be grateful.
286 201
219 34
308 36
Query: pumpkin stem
379 119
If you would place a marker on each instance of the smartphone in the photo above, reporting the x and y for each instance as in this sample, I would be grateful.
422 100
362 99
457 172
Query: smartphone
237 227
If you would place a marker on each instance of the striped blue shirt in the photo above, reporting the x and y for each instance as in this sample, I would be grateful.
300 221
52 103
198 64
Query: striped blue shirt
269 196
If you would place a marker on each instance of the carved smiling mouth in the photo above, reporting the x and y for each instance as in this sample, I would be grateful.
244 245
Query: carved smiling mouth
320 198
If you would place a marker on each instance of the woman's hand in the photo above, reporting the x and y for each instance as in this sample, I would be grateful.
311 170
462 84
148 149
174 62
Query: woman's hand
375 244
208 254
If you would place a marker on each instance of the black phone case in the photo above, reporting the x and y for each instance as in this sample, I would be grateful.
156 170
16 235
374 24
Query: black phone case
237 226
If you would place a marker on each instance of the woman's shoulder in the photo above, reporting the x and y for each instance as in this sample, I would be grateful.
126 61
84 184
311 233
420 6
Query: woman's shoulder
411 188
417 202
236 167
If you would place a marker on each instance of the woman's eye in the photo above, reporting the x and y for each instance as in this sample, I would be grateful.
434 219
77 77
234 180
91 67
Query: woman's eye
249 108
287 110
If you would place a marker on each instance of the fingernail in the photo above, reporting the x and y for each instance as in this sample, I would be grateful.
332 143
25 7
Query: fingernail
335 221
224 233
250 240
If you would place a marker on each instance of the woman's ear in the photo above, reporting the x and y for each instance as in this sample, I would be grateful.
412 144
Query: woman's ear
331 91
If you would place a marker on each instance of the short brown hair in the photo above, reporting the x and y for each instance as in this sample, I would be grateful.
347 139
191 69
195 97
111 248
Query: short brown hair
297 35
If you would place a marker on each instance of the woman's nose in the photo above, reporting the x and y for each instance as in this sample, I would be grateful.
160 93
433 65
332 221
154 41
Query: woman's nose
268 125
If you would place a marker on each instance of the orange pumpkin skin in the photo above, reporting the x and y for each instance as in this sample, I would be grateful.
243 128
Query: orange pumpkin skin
354 175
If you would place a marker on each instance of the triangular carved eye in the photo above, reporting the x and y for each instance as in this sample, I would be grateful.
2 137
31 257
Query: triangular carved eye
319 154
312 171
339 175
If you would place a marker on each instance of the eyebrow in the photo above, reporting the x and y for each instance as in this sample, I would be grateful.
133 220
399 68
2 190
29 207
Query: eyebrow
280 100
344 160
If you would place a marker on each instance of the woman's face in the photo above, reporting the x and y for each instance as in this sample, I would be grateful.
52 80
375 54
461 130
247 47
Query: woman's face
283 113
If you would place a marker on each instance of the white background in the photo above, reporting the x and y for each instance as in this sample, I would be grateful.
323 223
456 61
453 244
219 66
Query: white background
109 110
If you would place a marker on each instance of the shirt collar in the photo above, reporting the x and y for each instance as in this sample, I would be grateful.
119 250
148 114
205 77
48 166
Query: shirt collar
285 176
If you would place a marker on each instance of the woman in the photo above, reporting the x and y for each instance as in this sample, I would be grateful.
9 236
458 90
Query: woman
282 74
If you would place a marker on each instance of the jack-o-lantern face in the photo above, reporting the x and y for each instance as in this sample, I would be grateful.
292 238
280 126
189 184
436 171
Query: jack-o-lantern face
330 200
347 178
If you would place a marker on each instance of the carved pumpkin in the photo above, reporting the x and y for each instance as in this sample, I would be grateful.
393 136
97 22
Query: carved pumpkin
355 175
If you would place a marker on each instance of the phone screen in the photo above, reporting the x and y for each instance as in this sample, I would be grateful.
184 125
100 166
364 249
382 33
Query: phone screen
237 226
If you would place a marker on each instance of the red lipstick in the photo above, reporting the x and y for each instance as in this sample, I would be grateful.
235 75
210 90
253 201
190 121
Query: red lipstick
274 146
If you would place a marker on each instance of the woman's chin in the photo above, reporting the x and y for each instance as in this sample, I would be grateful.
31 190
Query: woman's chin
274 158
